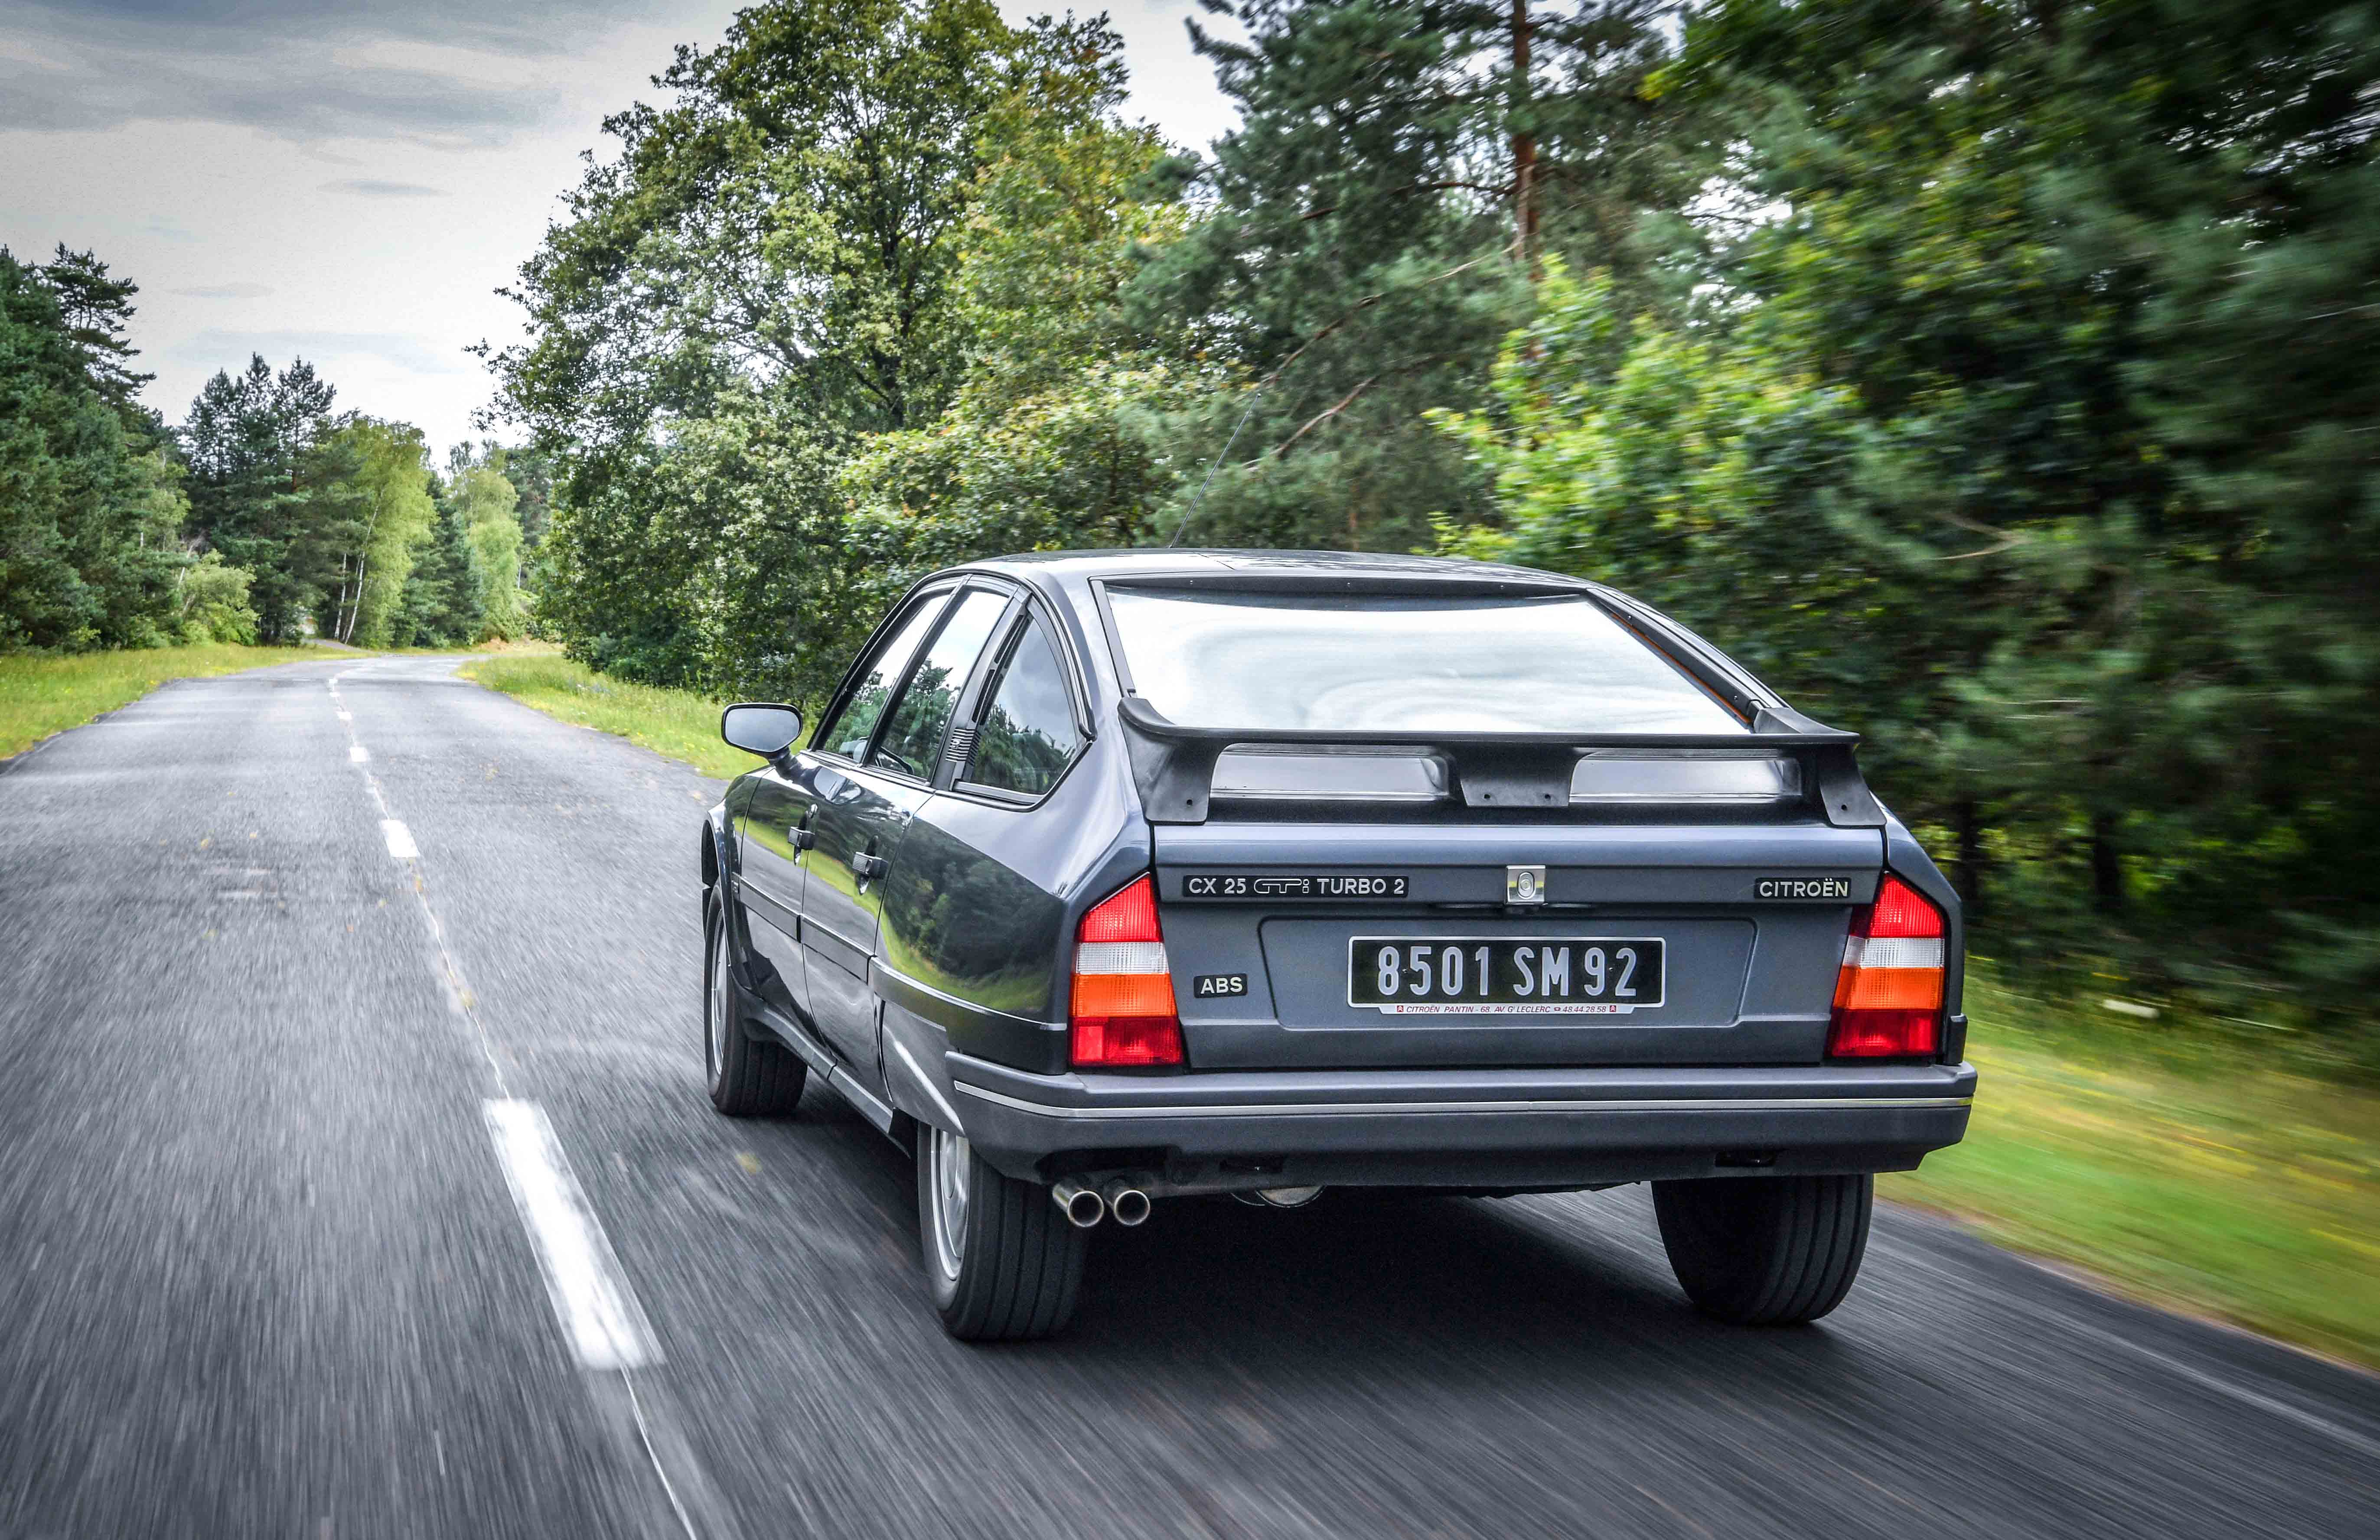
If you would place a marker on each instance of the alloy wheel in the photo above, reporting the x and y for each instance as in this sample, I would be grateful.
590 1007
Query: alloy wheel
951 1156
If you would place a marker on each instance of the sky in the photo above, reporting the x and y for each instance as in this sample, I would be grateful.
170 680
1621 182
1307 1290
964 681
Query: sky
350 180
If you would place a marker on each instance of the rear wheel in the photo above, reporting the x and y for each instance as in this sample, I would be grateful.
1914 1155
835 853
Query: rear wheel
1765 1251
747 1077
1003 1264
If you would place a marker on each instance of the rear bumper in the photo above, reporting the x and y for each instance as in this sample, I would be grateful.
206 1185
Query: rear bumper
1463 1129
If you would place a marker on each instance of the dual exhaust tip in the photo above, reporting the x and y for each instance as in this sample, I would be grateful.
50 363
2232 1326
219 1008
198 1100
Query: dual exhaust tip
1086 1206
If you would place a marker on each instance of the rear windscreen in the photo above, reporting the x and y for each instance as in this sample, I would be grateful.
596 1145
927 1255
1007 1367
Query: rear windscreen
1381 663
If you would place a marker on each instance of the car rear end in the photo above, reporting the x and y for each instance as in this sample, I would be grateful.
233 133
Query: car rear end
1487 883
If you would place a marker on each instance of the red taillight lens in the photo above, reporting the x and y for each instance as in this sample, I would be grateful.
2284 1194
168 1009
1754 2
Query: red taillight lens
1888 995
1122 1012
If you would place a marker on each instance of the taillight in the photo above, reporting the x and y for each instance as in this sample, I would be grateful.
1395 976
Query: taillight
1889 996
1123 1013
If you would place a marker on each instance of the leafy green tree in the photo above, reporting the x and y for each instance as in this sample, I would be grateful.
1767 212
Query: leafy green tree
491 536
382 469
1061 434
2023 432
1373 224
767 263
213 603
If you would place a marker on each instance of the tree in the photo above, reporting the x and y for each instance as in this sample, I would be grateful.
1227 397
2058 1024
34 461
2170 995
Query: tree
263 490
1361 257
382 467
484 502
439 607
90 511
2029 432
97 309
768 262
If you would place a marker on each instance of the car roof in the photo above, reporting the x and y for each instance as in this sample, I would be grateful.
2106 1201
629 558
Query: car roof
1276 565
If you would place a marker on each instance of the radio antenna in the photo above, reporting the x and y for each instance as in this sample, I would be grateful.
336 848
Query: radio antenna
1181 528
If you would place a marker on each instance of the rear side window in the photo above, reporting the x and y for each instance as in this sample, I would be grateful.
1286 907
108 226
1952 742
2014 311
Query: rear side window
850 731
913 741
1028 734
1390 663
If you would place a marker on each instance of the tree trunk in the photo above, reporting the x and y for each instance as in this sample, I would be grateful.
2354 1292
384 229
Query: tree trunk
1524 146
356 608
1970 853
2106 865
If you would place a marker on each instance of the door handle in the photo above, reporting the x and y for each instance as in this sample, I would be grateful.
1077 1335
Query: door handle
870 866
800 838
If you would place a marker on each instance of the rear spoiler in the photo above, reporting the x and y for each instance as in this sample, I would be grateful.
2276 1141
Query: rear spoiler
1173 766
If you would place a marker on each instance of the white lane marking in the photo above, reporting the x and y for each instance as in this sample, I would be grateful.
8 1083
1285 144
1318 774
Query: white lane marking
598 1311
357 754
344 714
400 839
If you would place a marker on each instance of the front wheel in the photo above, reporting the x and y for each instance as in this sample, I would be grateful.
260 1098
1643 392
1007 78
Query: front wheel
1002 1263
1765 1251
746 1077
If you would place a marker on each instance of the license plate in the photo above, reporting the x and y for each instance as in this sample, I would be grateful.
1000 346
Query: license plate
1531 975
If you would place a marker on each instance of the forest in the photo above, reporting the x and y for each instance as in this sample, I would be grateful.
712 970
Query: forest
1993 377
267 515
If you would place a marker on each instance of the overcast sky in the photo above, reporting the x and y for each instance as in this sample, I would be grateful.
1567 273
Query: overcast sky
348 180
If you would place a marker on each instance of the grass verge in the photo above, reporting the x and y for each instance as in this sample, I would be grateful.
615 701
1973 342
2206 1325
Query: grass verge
41 693
2182 1170
2179 1167
679 723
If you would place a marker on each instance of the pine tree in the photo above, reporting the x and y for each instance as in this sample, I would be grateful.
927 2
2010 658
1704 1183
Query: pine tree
266 486
1402 168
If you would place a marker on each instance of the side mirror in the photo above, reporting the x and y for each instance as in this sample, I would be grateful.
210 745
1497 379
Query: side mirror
767 731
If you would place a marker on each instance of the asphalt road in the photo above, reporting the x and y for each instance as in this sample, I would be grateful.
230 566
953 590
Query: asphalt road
262 1271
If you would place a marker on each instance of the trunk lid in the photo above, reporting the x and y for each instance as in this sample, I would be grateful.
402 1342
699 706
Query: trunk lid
1267 921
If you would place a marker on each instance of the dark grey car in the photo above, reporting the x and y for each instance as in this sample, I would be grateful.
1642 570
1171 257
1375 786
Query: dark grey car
1113 878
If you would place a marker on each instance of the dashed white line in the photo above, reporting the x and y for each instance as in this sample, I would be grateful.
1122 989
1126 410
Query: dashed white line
598 1310
357 754
400 839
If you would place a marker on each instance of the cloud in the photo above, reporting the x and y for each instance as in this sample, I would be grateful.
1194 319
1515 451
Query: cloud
224 291
365 187
445 72
220 348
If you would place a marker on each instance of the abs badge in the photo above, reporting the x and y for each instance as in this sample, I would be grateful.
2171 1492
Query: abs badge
1524 884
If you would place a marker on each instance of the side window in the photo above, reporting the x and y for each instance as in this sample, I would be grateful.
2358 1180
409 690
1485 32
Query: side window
913 740
849 733
1028 734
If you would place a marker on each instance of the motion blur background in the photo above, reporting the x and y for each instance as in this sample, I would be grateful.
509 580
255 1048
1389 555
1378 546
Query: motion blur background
1993 377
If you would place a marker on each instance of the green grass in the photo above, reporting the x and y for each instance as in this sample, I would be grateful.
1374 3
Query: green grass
679 723
41 694
2178 1165
2179 1168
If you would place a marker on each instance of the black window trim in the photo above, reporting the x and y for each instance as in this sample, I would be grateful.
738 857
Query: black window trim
968 583
1019 622
851 679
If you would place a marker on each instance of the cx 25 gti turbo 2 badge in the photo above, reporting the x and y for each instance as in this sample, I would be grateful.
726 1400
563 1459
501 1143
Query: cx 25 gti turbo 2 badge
1294 885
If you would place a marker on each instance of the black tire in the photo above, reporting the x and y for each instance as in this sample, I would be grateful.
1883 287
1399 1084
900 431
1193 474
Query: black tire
748 1078
1012 1267
1765 1251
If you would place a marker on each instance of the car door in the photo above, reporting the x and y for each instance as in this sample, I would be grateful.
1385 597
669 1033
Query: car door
865 790
772 831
